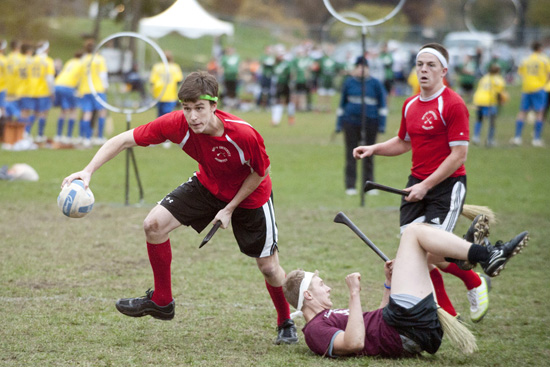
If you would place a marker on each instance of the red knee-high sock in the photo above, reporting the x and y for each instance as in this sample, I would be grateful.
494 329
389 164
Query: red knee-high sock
280 303
440 292
469 277
160 257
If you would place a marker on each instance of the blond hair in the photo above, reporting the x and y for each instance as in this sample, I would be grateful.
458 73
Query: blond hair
291 286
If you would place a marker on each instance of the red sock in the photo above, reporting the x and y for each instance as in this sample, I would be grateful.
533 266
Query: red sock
160 257
280 303
469 277
440 292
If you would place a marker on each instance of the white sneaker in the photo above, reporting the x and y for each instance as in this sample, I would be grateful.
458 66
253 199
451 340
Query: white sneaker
86 143
167 144
516 140
479 300
351 192
57 139
476 140
40 139
538 143
374 192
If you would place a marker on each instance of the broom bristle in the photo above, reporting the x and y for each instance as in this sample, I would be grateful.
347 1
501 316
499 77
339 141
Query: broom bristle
472 211
459 335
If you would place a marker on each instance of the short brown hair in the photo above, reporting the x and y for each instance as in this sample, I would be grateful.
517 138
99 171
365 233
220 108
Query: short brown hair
197 84
291 286
436 46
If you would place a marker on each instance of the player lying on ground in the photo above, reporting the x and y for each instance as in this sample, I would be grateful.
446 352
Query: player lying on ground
407 321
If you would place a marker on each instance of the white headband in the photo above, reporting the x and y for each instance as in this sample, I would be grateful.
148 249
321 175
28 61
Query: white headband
304 285
436 53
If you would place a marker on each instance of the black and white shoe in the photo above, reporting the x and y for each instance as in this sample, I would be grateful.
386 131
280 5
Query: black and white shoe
286 333
501 253
477 233
144 306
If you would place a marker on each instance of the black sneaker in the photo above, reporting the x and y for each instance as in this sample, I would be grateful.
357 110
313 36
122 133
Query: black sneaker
501 253
477 233
143 306
286 333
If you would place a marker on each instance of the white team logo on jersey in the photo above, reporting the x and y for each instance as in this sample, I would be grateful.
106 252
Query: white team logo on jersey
428 120
221 154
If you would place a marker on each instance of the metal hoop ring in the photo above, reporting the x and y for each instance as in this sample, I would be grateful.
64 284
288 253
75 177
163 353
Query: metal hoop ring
128 110
365 23
470 25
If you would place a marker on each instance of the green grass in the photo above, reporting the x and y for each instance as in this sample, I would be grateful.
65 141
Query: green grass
61 277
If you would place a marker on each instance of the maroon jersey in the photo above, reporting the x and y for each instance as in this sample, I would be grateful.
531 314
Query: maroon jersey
224 162
380 338
433 126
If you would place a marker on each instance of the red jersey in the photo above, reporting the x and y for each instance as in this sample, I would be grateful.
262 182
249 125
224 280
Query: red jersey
224 162
380 338
433 126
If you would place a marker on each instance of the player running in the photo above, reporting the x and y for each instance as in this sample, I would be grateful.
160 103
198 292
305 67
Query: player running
232 184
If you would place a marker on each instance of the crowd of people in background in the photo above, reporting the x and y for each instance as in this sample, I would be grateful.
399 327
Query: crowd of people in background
282 79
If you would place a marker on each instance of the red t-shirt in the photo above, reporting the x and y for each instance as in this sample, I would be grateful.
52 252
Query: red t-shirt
380 338
433 126
224 162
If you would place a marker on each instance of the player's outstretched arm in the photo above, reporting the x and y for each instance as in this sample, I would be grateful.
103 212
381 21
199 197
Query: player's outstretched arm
389 148
108 151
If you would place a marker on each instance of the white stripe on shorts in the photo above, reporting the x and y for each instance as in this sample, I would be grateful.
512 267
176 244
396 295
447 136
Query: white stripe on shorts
271 235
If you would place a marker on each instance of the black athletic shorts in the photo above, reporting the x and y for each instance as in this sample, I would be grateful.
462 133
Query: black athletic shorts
419 323
441 207
254 229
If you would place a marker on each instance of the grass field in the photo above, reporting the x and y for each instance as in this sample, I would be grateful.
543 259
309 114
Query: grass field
61 277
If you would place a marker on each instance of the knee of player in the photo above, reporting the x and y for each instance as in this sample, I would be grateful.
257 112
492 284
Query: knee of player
269 270
151 225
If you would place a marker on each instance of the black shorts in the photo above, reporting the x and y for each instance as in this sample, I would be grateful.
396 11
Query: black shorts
418 323
254 229
283 93
441 207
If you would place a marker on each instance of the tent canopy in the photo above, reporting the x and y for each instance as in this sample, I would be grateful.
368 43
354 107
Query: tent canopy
187 18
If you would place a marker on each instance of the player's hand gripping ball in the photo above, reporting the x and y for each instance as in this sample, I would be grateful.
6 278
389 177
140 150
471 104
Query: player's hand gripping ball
75 201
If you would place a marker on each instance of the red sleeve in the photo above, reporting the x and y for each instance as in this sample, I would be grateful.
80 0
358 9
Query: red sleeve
258 158
458 123
171 126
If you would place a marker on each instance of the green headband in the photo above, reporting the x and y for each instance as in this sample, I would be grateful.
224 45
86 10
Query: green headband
208 97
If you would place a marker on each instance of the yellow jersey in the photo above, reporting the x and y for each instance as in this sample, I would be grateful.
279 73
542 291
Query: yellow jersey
69 76
488 90
157 79
24 88
12 80
534 72
412 80
3 73
42 74
98 69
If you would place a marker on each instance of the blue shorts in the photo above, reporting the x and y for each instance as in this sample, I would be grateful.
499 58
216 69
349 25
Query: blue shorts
535 101
42 104
88 103
26 103
3 99
165 107
65 98
12 110
487 111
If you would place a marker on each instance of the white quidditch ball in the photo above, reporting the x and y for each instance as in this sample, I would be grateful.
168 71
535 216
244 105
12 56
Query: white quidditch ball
74 200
